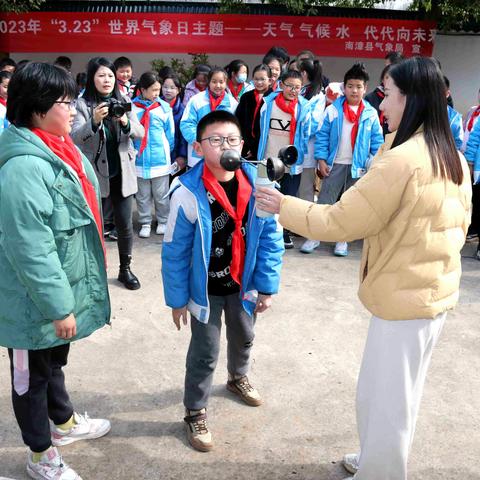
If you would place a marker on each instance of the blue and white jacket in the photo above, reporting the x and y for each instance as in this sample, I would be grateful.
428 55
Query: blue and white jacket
4 123
455 120
317 108
197 107
188 240
472 152
155 160
369 137
301 134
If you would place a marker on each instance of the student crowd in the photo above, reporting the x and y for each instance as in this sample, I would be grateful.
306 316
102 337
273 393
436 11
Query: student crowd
158 142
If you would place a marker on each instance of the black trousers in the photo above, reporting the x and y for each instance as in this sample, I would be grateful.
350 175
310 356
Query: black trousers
122 213
475 225
39 393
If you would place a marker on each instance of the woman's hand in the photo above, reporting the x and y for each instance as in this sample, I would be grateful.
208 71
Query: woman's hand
268 199
99 113
66 328
123 120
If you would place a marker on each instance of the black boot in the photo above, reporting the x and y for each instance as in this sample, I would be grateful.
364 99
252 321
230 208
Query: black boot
125 275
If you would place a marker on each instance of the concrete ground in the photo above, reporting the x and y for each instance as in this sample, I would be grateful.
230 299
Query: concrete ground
305 363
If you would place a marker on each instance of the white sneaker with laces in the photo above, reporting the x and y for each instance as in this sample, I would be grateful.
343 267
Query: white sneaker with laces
309 246
161 229
85 428
145 231
50 467
341 249
350 462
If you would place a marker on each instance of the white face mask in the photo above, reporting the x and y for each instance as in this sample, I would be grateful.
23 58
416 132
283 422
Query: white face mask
241 78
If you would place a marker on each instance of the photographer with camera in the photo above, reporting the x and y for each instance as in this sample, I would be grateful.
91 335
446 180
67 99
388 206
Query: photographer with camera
103 129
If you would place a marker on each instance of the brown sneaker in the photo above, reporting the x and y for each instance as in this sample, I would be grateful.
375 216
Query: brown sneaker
241 387
198 434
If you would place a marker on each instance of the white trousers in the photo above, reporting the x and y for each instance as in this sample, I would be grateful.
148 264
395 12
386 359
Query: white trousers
390 386
153 189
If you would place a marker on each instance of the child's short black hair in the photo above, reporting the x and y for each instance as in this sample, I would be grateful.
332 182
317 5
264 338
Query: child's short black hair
4 74
64 62
217 116
291 74
122 62
357 72
215 70
7 62
34 89
394 57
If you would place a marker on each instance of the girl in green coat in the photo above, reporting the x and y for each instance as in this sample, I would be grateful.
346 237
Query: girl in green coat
53 287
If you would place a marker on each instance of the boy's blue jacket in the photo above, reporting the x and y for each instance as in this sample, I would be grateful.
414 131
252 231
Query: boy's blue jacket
197 107
155 159
472 152
301 134
455 120
187 244
369 137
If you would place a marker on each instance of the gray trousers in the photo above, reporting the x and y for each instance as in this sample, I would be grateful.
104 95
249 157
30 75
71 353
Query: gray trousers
338 182
205 346
156 189
306 191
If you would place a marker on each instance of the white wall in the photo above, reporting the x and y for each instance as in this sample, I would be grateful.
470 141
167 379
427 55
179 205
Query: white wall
459 55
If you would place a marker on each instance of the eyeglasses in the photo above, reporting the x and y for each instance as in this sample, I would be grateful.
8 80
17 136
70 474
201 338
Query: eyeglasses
218 141
70 104
292 87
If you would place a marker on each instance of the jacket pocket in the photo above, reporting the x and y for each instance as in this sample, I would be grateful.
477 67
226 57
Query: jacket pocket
69 232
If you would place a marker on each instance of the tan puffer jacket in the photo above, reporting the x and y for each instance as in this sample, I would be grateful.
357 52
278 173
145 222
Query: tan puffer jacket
414 226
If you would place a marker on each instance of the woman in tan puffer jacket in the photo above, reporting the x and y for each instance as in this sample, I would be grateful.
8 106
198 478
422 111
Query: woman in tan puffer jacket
412 209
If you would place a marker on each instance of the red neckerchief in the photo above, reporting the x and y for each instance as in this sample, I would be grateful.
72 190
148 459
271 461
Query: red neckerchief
243 197
173 102
258 101
354 118
235 91
275 85
471 121
145 121
3 101
66 150
215 102
381 95
200 88
288 108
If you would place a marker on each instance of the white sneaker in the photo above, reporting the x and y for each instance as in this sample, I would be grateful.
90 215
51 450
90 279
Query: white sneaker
161 229
85 428
341 249
145 231
350 462
309 246
50 467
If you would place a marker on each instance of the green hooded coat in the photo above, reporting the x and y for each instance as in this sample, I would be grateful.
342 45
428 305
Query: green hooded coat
51 257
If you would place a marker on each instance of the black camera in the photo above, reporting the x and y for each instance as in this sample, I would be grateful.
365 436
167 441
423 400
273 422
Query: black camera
117 108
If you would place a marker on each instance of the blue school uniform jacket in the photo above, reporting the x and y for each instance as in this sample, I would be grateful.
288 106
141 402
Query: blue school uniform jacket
180 149
369 137
4 123
188 240
455 120
472 152
197 107
155 160
301 134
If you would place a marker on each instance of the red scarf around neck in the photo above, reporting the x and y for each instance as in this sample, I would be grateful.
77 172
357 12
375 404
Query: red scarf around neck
3 101
215 102
145 122
243 197
472 118
258 104
66 150
173 102
288 108
235 91
354 118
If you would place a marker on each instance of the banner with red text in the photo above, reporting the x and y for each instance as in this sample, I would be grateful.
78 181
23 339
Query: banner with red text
205 33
